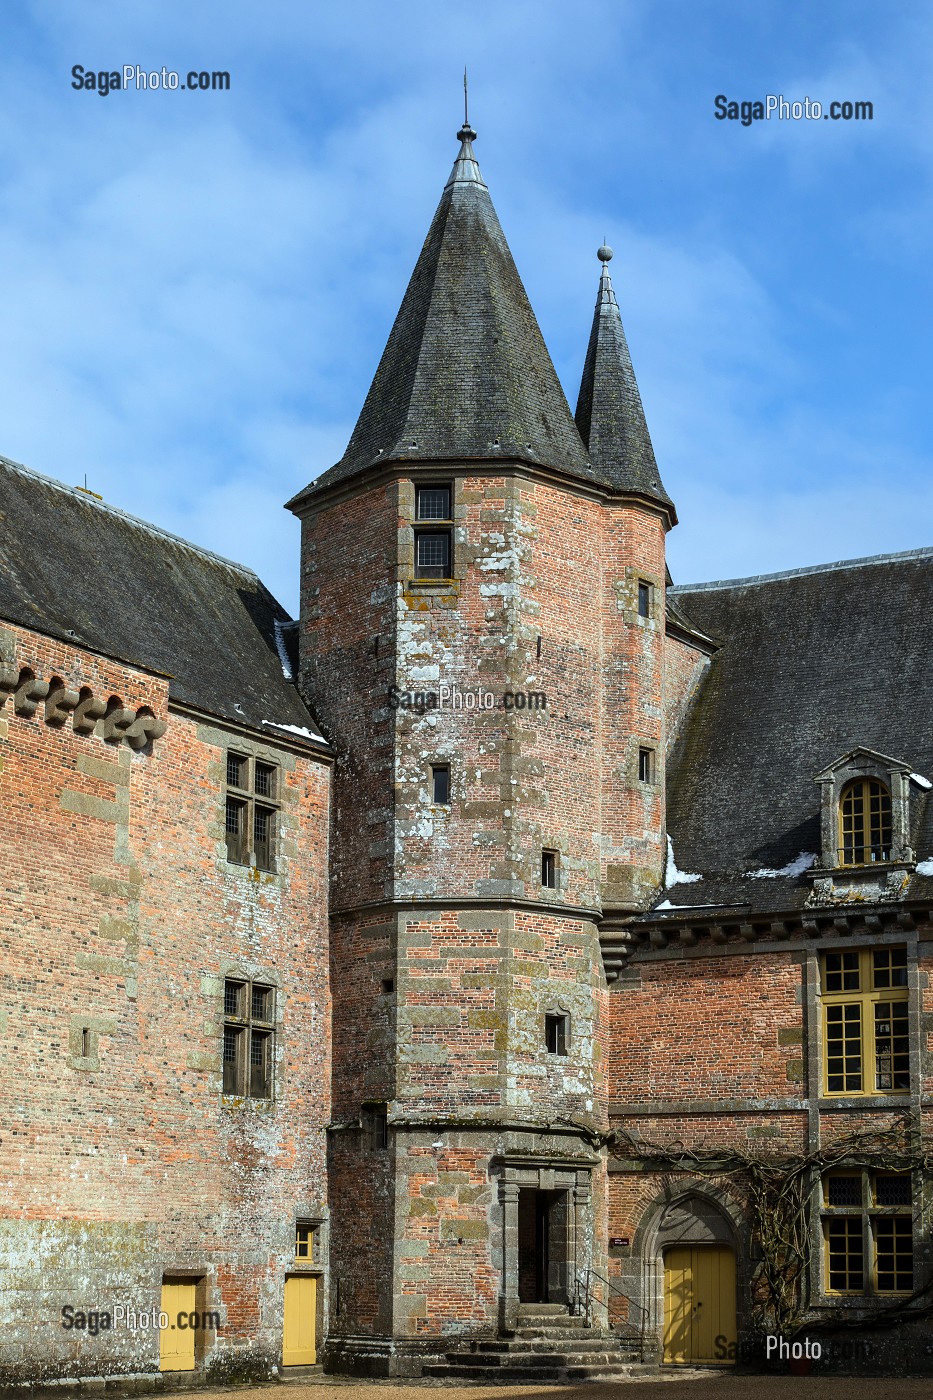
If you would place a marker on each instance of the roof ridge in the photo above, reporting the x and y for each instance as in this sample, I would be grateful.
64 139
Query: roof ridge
89 498
926 552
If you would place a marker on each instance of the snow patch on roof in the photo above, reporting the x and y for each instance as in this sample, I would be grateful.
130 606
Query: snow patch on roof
925 867
673 876
795 867
920 780
295 729
282 651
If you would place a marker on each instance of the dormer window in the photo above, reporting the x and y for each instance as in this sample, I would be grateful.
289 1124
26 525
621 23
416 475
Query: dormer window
865 811
864 822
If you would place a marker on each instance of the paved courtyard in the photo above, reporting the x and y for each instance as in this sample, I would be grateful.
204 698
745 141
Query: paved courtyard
695 1385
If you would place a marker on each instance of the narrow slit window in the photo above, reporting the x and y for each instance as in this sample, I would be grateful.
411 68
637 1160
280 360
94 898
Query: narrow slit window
549 869
646 765
556 1033
644 600
440 784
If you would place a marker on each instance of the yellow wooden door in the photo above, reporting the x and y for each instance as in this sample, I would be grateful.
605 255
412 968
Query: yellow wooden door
176 1344
298 1342
699 1306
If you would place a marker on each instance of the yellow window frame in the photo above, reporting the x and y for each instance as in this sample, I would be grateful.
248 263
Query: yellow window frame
864 1230
865 822
866 998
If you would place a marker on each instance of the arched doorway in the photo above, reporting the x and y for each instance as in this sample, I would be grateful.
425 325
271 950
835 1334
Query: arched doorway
699 1305
688 1273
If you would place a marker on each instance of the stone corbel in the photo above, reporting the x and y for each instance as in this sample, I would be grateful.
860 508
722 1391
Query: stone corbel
116 724
87 712
27 695
144 728
59 704
9 680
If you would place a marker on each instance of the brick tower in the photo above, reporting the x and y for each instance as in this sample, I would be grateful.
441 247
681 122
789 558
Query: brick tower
481 628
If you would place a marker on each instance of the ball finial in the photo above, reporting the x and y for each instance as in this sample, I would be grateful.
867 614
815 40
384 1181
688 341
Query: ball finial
604 253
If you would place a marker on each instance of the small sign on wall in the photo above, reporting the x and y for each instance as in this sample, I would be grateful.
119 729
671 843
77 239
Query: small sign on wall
618 1240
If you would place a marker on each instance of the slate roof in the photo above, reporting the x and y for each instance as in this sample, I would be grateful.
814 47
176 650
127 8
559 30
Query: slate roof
465 372
75 568
811 664
609 409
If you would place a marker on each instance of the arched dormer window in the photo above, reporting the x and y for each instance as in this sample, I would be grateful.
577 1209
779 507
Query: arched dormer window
865 823
865 811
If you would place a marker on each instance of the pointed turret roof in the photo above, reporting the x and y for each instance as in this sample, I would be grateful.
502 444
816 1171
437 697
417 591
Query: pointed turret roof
609 410
465 372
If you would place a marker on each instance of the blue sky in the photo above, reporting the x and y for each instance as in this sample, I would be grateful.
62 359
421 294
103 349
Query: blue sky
197 286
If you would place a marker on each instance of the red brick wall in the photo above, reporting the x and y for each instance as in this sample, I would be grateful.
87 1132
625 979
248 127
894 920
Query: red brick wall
121 912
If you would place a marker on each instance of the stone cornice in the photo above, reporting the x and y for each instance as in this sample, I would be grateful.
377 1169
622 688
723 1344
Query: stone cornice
677 933
397 468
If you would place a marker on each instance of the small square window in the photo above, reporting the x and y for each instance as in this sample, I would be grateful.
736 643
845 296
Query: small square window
841 972
556 1033
233 998
892 1189
262 1004
265 780
844 1189
432 503
889 968
646 765
549 866
304 1241
440 784
644 600
432 554
236 770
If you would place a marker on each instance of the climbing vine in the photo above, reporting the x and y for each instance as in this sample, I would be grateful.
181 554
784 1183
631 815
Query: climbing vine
778 1192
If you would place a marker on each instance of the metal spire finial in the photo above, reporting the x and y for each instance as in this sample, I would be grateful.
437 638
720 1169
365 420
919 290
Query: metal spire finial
466 132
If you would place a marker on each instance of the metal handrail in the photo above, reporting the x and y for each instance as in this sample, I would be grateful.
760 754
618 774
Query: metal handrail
613 1291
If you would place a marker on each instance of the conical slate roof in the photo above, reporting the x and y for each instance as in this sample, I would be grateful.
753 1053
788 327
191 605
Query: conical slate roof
465 372
609 411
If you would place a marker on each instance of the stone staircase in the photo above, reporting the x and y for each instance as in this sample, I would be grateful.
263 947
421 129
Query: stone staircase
548 1344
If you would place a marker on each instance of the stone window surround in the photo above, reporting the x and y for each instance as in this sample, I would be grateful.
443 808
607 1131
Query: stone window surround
266 977
524 1173
407 498
864 763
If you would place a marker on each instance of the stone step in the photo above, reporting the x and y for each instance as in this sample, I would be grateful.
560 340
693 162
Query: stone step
510 1360
554 1325
607 1371
542 1309
526 1345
